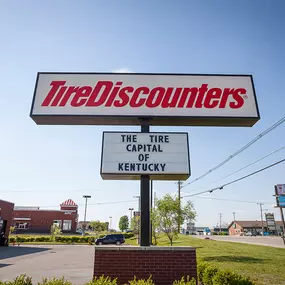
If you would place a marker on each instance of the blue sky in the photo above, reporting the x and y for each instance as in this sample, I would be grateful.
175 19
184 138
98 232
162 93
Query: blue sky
45 165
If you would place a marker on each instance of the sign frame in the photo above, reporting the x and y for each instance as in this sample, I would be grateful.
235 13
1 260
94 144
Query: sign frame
75 119
157 176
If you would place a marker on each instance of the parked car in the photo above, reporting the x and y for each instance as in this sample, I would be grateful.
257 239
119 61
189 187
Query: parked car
111 239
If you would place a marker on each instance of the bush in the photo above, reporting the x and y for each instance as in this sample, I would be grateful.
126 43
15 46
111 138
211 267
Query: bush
185 282
19 280
226 277
55 281
208 275
141 281
102 281
201 267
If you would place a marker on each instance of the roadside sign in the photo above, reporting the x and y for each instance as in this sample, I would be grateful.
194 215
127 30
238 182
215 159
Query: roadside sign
270 221
163 156
125 99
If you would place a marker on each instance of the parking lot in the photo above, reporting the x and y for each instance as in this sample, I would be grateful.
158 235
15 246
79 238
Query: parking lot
74 262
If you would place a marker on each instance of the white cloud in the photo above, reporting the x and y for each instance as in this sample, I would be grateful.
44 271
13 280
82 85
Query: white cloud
122 70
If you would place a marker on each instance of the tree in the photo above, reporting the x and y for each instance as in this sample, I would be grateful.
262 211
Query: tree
170 214
124 223
98 226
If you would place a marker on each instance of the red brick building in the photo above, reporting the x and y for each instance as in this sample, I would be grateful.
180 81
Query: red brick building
36 220
255 227
6 211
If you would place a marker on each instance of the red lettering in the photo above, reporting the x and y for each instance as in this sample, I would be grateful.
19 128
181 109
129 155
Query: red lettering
113 94
168 101
107 94
227 92
185 93
212 98
55 86
202 90
107 86
134 100
58 96
78 99
238 98
155 97
124 97
70 90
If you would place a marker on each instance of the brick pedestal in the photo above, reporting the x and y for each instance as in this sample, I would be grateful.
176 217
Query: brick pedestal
164 264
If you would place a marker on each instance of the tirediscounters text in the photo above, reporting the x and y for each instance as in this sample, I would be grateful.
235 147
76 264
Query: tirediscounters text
145 153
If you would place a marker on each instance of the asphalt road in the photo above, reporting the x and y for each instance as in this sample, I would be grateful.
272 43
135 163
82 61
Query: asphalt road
74 262
258 240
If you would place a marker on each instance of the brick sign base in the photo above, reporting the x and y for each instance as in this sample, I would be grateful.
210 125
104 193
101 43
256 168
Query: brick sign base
164 264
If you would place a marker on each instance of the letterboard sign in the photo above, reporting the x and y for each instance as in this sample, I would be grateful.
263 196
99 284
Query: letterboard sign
127 156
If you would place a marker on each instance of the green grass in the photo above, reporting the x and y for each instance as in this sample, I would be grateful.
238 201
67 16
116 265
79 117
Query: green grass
263 264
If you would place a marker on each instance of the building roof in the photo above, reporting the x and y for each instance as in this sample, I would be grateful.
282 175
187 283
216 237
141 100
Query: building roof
253 224
69 203
3 201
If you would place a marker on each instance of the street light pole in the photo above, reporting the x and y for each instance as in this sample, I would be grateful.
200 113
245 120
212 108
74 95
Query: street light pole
131 215
86 197
110 223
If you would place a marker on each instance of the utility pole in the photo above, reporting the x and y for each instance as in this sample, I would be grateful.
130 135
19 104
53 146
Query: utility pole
261 216
220 222
234 214
86 197
179 183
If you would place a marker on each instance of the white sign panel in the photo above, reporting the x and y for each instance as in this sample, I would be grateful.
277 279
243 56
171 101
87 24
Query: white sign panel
281 189
163 156
123 99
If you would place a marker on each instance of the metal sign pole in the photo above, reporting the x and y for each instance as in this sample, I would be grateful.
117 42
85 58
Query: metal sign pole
145 200
281 212
283 221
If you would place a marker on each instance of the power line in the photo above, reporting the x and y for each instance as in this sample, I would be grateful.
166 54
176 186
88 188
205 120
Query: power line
242 168
230 200
236 180
271 128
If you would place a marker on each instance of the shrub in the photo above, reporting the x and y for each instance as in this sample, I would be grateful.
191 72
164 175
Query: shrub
208 275
141 281
185 282
201 267
55 281
102 280
226 277
19 280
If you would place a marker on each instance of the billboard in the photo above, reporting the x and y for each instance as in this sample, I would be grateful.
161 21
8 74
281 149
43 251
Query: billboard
128 155
125 99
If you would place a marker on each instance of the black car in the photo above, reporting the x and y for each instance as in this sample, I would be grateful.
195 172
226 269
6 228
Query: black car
111 239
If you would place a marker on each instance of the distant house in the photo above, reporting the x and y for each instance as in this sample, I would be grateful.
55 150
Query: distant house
255 227
37 220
